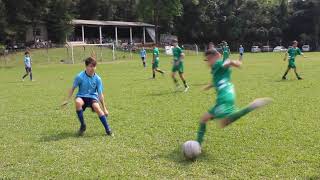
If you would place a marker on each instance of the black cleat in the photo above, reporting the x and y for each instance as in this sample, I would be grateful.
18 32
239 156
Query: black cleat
284 78
82 130
109 133
300 78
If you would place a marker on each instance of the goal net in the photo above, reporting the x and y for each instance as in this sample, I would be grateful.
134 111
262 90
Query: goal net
77 52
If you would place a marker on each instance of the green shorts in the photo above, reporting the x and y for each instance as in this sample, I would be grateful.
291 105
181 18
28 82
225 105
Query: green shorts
292 64
178 67
225 104
155 65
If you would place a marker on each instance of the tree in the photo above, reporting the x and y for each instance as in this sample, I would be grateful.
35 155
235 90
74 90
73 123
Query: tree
35 11
3 22
58 20
160 12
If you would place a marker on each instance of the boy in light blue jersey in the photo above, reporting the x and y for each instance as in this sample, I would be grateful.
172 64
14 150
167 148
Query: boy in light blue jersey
143 55
27 65
241 51
90 94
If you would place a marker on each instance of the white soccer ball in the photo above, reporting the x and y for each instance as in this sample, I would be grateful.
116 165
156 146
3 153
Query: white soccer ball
191 149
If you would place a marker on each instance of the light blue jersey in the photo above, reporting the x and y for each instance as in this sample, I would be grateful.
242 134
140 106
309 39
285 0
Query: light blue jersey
143 53
89 87
241 50
27 61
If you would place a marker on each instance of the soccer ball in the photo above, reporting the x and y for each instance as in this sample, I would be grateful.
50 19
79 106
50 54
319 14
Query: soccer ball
191 149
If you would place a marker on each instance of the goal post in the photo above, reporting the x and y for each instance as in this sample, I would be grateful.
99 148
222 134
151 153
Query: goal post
77 52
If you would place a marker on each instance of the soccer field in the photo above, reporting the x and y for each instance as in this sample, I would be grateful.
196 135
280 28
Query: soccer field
151 121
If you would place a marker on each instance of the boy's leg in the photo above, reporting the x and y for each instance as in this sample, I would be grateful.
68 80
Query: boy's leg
160 71
297 75
184 81
30 73
79 104
103 117
153 73
257 103
285 74
173 75
27 73
202 127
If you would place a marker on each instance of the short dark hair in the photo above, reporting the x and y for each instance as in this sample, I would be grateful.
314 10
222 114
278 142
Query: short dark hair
90 60
27 52
211 52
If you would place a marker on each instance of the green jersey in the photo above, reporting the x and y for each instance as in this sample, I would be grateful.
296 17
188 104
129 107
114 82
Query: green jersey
225 103
177 51
221 80
226 52
156 53
293 52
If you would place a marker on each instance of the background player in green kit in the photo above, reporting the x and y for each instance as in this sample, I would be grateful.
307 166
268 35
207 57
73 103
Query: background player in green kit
225 103
178 66
292 52
226 50
155 62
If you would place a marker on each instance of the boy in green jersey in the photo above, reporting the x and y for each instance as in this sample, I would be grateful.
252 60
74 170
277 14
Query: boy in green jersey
225 108
226 50
292 52
155 62
178 66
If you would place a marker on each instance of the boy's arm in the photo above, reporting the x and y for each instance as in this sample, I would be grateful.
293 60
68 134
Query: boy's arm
285 56
101 97
302 54
232 63
70 93
207 87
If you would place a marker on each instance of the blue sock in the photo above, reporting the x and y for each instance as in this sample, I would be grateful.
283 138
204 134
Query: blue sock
80 117
103 120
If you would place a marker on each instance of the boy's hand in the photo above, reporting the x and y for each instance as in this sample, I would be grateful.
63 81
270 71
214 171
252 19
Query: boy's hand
64 103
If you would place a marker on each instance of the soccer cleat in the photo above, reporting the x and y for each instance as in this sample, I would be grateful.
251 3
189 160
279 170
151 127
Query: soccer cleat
260 102
186 89
284 78
82 130
300 78
109 133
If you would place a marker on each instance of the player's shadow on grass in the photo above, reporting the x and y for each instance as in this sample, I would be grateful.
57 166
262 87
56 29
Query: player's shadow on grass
60 136
177 157
285 81
163 93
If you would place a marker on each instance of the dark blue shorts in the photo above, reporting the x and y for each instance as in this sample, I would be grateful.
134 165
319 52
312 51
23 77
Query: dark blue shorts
28 69
87 102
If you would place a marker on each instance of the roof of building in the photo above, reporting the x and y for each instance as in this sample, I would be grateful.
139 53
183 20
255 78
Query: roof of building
110 23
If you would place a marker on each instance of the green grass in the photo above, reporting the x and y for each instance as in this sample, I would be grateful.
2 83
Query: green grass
151 121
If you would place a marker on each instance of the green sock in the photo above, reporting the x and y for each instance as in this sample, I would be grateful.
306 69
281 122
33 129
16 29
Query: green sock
237 115
201 132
